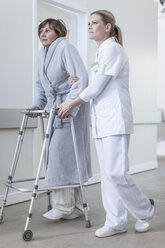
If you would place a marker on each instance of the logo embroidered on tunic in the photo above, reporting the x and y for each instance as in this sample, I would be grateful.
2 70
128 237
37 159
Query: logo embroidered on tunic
94 64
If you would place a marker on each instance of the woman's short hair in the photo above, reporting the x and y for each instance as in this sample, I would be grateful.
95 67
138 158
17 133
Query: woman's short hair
57 25
108 17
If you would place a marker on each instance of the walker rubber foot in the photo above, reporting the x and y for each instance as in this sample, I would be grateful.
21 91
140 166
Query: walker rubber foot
27 235
1 219
88 224
49 207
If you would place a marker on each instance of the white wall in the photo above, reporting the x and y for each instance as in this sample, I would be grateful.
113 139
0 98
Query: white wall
16 56
161 81
161 59
15 85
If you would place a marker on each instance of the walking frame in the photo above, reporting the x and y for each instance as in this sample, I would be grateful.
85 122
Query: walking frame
28 234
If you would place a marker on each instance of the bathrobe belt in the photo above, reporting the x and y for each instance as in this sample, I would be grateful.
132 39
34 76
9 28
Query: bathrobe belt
57 123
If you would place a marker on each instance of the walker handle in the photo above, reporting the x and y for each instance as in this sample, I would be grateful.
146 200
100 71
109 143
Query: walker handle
40 112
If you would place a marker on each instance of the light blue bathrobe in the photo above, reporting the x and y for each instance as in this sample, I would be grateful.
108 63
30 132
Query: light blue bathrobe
52 89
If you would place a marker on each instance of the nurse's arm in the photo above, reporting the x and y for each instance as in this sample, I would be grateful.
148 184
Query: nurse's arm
95 88
90 92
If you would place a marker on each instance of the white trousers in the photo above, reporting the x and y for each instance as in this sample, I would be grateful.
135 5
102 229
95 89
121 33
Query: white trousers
67 200
119 191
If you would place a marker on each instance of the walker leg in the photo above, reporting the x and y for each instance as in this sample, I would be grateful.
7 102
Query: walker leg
85 207
49 202
3 204
28 234
87 221
14 163
43 136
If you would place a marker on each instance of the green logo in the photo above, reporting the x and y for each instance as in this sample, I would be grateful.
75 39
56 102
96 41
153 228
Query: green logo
94 64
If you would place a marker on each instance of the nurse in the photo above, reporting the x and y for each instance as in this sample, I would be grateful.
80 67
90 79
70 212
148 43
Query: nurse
56 58
112 125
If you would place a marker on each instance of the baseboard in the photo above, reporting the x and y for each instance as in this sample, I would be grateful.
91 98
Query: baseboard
143 167
17 197
161 157
93 180
147 117
133 170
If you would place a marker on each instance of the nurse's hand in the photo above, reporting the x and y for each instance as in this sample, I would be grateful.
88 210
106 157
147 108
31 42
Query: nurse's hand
65 110
72 79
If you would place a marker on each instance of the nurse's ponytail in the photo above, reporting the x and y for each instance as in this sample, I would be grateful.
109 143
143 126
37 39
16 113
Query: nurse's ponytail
117 34
108 17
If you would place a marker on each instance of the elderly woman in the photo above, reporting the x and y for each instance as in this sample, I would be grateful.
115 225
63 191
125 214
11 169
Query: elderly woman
56 58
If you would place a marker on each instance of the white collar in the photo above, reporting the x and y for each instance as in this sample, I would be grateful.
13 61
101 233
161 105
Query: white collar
105 43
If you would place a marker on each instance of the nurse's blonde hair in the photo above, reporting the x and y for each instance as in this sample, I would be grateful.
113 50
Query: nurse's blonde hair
108 17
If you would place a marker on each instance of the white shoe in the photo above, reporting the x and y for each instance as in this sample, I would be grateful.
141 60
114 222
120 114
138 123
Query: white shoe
106 231
53 214
75 214
144 225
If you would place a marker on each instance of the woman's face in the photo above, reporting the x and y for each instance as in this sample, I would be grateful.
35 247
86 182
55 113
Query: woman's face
47 36
98 31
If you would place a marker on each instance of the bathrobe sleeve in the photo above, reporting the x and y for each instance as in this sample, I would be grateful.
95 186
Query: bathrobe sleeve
40 99
75 66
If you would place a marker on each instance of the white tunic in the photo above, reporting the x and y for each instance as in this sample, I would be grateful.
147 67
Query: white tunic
111 109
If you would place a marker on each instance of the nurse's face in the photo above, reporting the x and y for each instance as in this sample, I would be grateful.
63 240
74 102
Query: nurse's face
98 31
47 36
